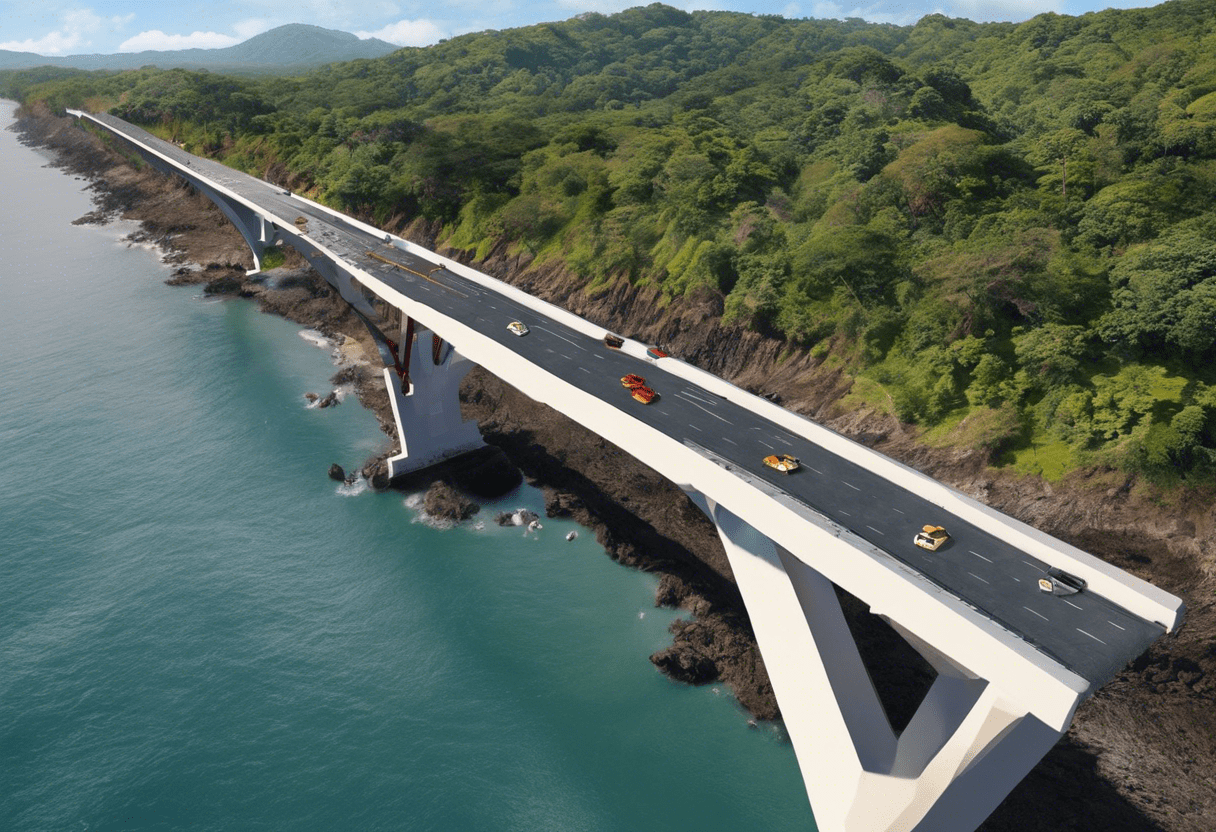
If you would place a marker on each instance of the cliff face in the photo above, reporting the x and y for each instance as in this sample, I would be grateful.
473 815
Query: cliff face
1140 753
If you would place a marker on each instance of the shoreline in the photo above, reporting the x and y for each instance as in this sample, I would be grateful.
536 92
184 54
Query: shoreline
1121 764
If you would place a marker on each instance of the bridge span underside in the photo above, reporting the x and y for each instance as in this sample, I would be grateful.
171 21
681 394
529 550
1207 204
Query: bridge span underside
1012 662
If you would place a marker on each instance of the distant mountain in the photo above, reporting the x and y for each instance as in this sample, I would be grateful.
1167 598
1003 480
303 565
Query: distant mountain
296 46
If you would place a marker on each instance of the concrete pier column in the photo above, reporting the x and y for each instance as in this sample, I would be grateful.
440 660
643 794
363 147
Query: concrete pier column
427 412
259 234
966 747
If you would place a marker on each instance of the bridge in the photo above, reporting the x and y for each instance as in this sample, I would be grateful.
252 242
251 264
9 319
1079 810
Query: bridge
1012 661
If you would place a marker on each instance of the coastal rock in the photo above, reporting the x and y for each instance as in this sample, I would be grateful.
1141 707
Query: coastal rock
671 591
376 473
562 504
685 663
444 502
519 517
337 473
330 399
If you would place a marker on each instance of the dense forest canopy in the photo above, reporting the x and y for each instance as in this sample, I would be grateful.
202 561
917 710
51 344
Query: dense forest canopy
1001 230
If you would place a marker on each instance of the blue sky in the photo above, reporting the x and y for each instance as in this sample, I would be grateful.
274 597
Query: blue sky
71 27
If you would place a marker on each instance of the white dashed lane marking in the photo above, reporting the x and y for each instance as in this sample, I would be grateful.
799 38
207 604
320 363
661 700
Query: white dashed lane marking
1091 635
981 557
1039 614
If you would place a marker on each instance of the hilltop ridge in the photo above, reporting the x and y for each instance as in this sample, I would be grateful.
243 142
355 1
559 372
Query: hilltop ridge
297 46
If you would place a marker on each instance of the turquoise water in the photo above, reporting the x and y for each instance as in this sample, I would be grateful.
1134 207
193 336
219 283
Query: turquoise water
199 630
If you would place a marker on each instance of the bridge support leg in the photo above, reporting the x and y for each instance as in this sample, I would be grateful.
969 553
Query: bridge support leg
426 404
964 750
258 233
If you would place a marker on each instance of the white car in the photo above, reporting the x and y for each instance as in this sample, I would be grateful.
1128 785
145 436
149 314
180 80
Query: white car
517 328
1059 582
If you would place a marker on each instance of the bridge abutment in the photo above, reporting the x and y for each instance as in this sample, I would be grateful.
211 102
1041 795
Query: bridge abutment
966 747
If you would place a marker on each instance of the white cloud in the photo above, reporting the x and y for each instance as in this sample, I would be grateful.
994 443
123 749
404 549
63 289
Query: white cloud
75 26
245 29
155 39
408 33
53 43
158 40
792 11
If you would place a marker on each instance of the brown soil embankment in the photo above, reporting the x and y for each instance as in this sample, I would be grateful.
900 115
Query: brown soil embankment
1140 754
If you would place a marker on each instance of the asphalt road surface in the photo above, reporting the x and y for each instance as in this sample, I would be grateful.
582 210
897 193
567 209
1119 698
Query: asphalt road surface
1086 633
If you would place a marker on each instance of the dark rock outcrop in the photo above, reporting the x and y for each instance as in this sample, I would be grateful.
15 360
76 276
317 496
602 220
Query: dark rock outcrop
337 473
444 502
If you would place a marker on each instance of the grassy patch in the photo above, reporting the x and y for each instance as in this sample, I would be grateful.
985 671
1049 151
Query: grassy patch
866 392
272 258
1045 457
956 421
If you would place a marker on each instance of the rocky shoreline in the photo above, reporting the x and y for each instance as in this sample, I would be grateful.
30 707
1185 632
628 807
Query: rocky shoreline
1140 754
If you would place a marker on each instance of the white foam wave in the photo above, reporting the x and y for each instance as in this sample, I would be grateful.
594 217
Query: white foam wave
316 339
353 489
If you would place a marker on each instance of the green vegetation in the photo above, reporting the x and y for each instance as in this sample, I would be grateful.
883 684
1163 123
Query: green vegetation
1003 232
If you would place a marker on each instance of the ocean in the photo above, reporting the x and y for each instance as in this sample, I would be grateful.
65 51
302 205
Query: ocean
200 630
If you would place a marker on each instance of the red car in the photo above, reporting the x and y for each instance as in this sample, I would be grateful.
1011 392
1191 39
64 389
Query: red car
644 394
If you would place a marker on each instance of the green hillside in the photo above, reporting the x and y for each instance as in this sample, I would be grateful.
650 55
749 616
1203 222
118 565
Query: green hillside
1008 224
